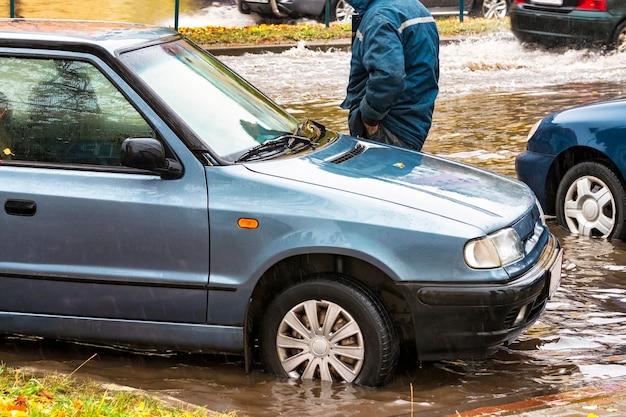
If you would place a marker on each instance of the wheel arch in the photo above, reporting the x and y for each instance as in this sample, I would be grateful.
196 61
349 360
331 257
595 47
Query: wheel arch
299 268
568 159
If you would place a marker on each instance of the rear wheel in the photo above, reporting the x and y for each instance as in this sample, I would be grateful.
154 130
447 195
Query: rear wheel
332 329
590 201
619 39
340 12
495 8
242 7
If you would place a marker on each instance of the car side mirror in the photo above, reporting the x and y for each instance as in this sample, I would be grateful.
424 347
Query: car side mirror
149 154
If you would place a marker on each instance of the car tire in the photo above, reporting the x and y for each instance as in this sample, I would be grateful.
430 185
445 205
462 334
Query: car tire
340 12
242 7
359 345
619 38
492 9
590 201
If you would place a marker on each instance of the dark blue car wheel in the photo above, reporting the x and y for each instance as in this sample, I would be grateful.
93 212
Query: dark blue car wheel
332 329
590 201
619 39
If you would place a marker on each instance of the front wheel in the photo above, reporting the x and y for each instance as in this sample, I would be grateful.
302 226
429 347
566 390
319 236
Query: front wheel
590 201
332 329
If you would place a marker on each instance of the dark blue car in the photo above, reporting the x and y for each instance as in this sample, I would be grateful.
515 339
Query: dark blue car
575 162
570 22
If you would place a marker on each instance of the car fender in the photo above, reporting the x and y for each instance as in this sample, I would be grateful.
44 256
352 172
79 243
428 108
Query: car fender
402 242
567 133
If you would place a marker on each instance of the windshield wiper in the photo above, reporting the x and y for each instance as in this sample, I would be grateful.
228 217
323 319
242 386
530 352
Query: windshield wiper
311 129
277 146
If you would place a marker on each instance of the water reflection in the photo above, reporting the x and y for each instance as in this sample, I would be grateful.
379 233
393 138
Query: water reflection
140 11
492 91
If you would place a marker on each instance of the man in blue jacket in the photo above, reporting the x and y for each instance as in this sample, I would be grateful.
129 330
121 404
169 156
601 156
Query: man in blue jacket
394 72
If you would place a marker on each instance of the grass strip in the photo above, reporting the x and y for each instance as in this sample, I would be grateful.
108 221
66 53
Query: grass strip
52 395
318 32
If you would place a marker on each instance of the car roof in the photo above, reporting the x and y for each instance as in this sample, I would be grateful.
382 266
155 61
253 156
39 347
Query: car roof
109 36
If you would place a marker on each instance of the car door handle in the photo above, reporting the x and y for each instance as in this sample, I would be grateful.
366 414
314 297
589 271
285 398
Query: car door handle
20 207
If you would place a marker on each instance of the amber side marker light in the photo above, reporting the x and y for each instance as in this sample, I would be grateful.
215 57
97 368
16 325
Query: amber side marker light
246 223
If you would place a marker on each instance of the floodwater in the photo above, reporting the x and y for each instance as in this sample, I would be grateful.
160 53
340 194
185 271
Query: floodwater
192 13
492 91
580 340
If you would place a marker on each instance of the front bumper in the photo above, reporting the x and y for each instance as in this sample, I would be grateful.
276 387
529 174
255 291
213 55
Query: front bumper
471 321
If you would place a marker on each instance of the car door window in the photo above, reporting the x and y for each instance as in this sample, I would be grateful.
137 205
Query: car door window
63 112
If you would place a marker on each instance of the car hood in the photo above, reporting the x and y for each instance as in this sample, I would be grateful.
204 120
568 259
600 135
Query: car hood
427 183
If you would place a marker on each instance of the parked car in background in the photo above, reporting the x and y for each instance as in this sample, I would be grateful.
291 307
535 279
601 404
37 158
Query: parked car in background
339 10
155 199
570 22
474 8
342 12
575 162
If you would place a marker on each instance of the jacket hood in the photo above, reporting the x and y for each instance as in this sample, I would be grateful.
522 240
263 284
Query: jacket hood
420 181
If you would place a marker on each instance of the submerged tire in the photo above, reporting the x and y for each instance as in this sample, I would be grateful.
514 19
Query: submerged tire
619 38
590 201
331 329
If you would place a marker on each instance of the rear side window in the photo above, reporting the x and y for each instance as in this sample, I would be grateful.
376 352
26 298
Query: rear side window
63 112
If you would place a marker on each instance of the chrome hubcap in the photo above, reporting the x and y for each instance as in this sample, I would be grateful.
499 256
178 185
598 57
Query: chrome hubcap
320 340
589 207
494 8
344 12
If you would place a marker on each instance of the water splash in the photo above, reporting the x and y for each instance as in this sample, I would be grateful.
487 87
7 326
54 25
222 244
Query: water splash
216 14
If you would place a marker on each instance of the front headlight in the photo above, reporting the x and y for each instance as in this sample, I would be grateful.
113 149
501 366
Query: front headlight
532 130
495 250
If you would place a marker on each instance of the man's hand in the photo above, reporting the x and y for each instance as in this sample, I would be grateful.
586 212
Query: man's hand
371 129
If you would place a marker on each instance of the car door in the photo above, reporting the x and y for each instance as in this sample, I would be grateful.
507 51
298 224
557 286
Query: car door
83 236
446 7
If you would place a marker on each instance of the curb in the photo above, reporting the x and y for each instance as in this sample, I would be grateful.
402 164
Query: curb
260 49
606 399
343 45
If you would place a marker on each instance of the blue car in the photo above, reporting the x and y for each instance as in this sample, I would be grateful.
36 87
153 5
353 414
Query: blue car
155 199
575 162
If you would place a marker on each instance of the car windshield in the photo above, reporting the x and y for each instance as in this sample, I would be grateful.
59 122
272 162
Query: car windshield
224 111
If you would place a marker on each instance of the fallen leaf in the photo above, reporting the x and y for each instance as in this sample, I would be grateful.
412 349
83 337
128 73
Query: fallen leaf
46 394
